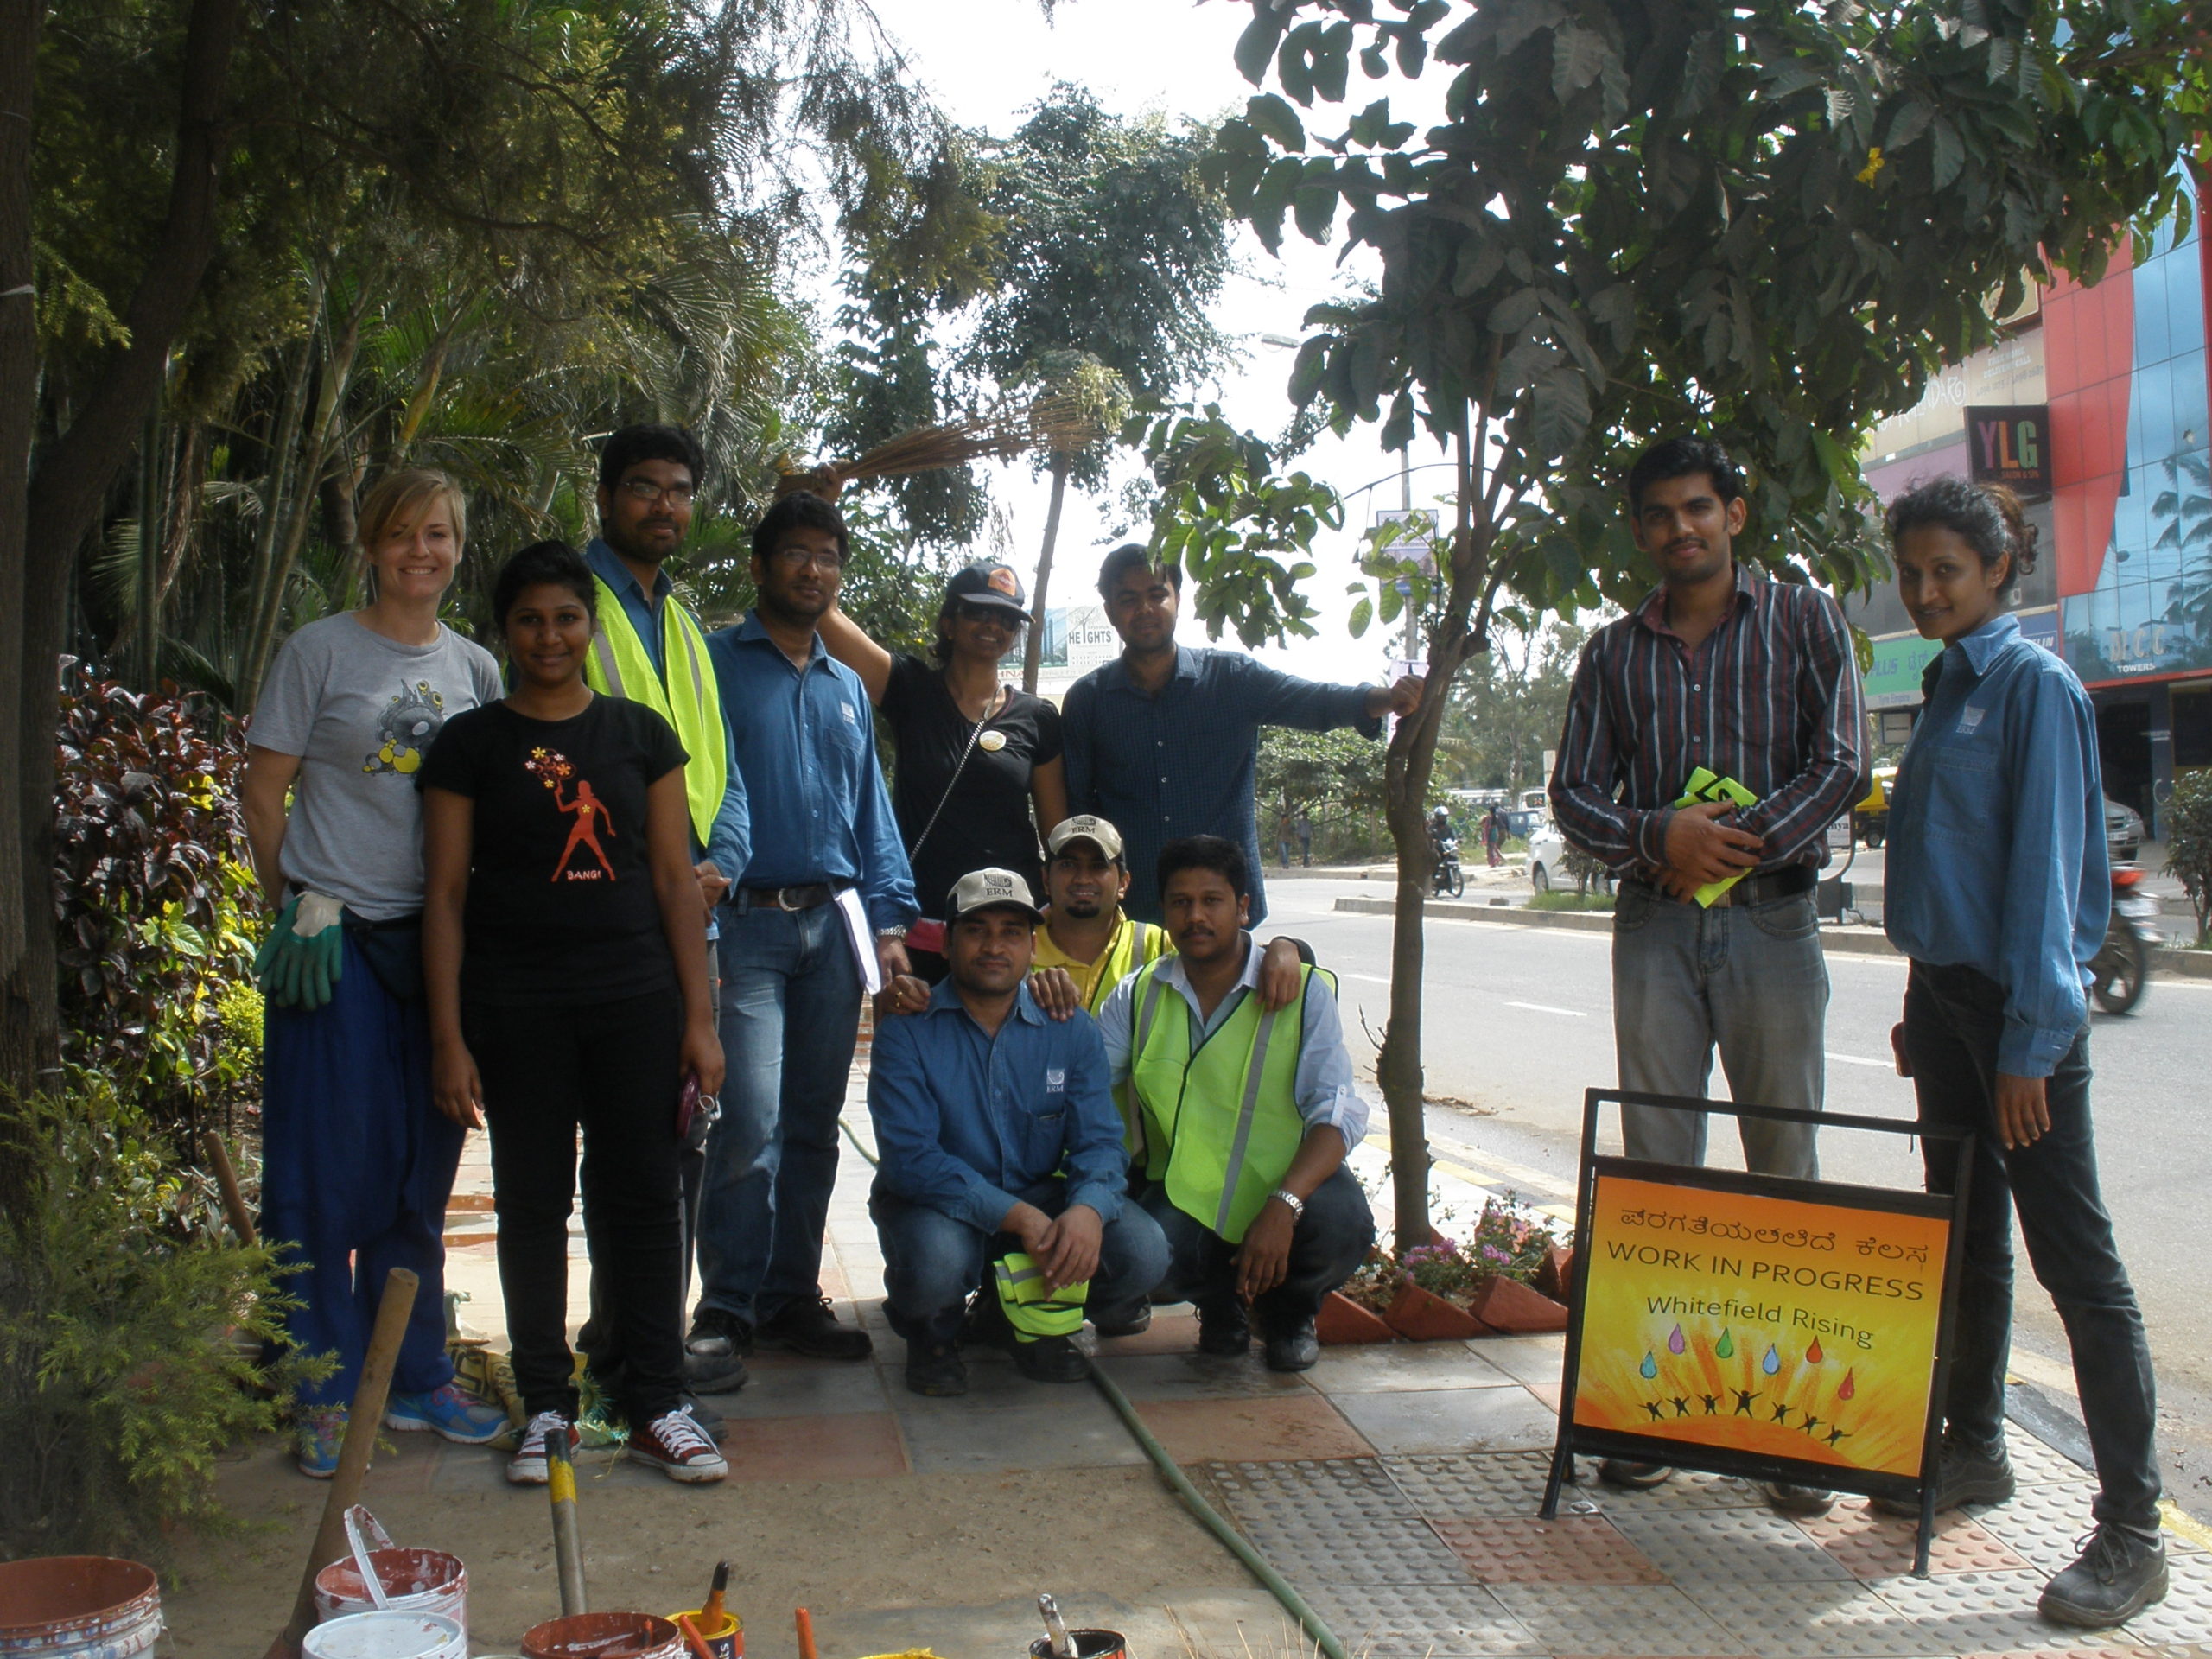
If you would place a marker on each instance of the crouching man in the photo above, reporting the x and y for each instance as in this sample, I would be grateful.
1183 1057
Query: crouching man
1000 1138
1244 1117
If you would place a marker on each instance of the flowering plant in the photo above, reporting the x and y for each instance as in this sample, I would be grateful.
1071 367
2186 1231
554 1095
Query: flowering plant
1508 1239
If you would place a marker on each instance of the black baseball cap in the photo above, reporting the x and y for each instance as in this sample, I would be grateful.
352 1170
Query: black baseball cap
988 584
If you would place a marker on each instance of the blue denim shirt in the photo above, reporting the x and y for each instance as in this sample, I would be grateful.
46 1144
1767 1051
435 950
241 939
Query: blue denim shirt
1997 857
730 844
805 743
964 1121
1181 762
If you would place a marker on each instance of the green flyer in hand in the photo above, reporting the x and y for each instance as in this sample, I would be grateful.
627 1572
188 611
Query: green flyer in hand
1704 787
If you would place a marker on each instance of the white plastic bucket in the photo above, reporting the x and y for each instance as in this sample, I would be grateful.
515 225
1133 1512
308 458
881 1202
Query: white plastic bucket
387 1636
78 1607
410 1581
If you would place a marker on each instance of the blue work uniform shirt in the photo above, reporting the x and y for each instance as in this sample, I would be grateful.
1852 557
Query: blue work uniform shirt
966 1121
1182 761
804 741
729 842
1997 859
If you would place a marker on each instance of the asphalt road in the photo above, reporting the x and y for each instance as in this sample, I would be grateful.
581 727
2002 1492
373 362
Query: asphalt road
1519 1022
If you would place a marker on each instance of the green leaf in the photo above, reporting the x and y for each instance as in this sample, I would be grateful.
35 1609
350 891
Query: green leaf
1701 66
1315 207
1362 615
1258 42
1578 56
1907 124
1270 115
1559 414
1515 312
1950 154
1306 372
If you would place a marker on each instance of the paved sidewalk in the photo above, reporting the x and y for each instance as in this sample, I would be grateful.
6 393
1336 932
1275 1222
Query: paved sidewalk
1396 1486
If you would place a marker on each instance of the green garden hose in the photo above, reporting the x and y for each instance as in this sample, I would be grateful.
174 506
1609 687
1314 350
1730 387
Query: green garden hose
1325 1639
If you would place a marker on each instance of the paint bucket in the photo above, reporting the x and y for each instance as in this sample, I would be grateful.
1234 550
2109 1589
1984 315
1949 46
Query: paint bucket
604 1635
412 1580
725 1640
78 1607
388 1635
1089 1644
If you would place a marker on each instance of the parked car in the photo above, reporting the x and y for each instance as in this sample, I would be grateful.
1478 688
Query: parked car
2123 831
1521 822
1547 859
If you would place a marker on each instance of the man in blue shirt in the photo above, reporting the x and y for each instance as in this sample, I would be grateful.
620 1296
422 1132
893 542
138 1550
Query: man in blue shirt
1163 741
998 1133
827 882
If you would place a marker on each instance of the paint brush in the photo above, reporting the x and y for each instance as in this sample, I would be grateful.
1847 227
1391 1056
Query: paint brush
1056 1627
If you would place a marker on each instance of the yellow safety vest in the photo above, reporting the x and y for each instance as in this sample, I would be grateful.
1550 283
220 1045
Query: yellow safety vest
619 667
1220 1127
1128 948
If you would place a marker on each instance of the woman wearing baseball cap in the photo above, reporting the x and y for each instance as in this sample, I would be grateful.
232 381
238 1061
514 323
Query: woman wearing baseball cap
973 755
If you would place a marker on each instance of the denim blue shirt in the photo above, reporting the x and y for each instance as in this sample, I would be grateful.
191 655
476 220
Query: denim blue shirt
1997 857
730 844
965 1121
805 743
1180 761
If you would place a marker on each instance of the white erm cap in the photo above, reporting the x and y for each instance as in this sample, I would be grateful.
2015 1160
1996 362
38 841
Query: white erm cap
988 890
1084 826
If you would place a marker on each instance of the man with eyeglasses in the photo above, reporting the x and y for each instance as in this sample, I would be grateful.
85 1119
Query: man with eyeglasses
827 881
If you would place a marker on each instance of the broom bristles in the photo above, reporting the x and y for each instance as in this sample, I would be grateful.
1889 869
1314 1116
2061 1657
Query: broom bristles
1059 423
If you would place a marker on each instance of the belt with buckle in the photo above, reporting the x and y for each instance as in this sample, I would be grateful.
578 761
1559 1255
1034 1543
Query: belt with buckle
806 897
1751 890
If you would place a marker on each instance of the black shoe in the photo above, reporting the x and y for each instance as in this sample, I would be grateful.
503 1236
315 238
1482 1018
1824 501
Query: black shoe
936 1370
716 1333
809 1328
2120 1573
1293 1350
1964 1474
1051 1359
1786 1499
1636 1476
710 1421
1225 1330
1133 1321
712 1373
985 1324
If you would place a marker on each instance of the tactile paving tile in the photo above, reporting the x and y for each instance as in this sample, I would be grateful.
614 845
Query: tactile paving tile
2037 1464
1441 1485
1870 1545
1384 1622
1982 1612
2186 1613
1811 1621
1626 1619
1574 1550
1683 1490
2043 1525
1336 1519
1689 1544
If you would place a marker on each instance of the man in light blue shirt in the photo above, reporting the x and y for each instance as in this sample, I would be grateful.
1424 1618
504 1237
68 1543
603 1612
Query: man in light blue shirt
827 881
998 1133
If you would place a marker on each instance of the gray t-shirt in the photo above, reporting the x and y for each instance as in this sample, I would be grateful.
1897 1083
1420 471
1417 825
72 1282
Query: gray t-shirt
361 711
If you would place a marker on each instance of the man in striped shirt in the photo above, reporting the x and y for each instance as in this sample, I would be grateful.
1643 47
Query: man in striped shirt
1753 680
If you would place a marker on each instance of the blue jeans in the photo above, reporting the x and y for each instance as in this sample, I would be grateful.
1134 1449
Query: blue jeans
1953 1020
931 1261
1327 1244
791 1010
1748 978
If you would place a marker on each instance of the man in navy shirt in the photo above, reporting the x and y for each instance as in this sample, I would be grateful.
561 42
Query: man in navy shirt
827 880
1163 741
998 1134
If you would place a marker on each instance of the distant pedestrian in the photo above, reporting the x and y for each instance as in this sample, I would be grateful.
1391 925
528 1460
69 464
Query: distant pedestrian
1283 830
1165 741
1996 889
1494 835
356 1162
1752 680
1305 838
568 995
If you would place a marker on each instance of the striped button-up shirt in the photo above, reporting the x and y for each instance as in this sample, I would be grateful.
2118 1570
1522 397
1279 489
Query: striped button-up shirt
1770 697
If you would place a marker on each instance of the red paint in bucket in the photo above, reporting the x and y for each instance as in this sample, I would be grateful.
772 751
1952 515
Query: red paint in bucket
59 1604
604 1635
1089 1644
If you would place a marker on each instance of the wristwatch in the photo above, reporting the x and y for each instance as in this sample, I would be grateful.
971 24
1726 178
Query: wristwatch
890 932
1297 1205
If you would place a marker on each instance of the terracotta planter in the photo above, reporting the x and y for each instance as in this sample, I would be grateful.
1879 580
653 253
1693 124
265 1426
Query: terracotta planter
1555 1273
1422 1316
1342 1322
1508 1306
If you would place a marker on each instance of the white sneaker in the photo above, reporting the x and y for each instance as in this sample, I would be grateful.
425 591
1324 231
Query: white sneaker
678 1447
527 1466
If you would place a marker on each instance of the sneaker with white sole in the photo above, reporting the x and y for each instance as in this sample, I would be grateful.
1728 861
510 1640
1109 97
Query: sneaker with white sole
674 1444
451 1411
527 1466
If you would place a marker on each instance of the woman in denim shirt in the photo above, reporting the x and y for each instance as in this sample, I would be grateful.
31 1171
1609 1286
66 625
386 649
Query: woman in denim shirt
1998 890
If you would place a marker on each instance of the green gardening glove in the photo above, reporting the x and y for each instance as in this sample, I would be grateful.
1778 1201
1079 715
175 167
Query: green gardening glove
300 962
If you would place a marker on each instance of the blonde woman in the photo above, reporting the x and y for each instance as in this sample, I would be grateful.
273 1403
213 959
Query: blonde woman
357 1160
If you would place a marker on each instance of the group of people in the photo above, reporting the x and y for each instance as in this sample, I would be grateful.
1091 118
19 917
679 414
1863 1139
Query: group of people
633 888
637 884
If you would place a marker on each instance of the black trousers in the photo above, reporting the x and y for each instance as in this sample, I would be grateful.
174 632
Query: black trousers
613 1070
1326 1247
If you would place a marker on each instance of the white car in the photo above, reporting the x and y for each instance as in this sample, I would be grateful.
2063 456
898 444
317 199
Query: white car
1548 859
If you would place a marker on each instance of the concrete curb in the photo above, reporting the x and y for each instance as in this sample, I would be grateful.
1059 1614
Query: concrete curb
1851 942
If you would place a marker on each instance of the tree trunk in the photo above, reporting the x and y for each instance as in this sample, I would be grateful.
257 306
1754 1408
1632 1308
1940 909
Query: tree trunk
147 621
184 511
1032 652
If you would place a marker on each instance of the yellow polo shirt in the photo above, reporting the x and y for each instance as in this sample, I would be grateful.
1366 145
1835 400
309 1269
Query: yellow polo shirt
1092 981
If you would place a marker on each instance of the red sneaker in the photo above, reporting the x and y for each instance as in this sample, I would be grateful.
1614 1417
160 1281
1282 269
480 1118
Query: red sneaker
678 1447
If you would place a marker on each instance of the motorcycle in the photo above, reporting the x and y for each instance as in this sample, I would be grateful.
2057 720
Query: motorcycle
2121 967
1450 880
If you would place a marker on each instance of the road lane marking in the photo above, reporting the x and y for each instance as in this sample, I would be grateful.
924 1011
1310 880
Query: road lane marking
1854 1059
1546 1007
1365 979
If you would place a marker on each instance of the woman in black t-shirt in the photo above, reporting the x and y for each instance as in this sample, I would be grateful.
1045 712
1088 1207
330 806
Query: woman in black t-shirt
564 956
974 756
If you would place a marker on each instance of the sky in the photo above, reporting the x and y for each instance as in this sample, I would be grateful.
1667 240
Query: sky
984 61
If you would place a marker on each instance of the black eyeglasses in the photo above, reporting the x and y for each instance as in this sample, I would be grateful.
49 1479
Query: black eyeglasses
644 489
